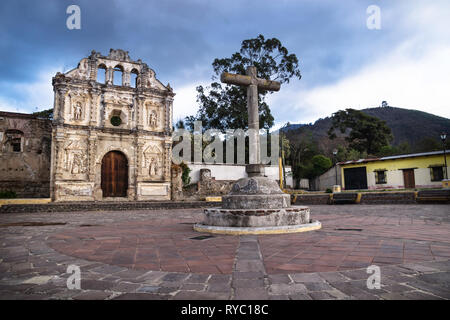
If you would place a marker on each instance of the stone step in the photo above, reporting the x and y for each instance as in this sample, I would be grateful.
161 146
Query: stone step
434 196
105 206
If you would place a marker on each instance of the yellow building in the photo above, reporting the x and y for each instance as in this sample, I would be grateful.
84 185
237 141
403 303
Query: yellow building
419 170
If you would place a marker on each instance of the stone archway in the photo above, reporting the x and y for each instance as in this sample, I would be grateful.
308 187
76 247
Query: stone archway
114 174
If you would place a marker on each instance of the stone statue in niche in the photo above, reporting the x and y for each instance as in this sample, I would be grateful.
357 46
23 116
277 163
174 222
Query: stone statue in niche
77 166
154 167
153 119
77 111
152 161
75 158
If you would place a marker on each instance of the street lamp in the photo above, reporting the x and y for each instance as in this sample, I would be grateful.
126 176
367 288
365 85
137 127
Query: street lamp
443 137
335 164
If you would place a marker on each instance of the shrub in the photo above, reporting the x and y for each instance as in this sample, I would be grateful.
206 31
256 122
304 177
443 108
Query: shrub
328 190
185 175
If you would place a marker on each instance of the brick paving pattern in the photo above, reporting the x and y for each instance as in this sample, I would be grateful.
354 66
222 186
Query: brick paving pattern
152 255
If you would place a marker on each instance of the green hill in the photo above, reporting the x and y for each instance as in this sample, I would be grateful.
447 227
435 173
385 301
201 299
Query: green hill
421 130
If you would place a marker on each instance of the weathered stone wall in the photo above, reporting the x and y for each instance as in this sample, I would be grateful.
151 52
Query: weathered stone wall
388 198
312 199
366 198
207 186
25 143
105 206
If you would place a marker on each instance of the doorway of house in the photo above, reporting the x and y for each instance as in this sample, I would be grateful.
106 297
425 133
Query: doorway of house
408 178
355 178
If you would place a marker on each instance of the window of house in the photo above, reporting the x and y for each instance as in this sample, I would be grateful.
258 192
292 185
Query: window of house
437 173
380 176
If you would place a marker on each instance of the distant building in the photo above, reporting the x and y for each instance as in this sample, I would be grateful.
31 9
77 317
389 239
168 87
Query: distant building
326 180
419 170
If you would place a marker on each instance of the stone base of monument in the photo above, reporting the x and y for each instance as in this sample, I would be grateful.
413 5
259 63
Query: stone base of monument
256 205
315 225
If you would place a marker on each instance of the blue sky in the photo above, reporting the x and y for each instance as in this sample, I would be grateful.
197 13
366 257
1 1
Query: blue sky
343 63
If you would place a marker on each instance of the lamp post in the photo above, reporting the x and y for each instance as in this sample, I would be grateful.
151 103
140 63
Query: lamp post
443 137
335 164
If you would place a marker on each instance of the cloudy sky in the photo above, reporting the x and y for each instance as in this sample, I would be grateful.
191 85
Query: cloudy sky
343 63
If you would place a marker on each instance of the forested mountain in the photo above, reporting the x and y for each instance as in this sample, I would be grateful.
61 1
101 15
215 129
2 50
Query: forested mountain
420 130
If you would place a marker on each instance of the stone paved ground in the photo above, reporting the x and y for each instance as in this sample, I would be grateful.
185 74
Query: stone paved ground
152 255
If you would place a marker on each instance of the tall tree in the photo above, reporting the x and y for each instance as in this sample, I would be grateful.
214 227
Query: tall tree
367 133
225 106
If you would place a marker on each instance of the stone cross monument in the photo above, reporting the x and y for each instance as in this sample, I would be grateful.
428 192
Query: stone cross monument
256 204
253 83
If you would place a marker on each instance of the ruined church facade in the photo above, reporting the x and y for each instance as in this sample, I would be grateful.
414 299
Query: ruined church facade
111 138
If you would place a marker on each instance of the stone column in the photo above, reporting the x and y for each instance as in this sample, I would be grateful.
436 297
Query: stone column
109 76
125 78
61 105
168 116
139 153
253 124
92 151
167 161
137 169
95 106
55 163
93 69
140 113
60 138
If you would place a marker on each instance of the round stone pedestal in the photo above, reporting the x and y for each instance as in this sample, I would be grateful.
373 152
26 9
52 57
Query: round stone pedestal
256 217
315 225
256 205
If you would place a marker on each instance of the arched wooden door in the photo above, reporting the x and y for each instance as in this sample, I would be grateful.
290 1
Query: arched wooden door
114 174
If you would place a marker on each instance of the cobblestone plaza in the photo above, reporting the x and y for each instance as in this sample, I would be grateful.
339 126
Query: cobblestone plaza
155 254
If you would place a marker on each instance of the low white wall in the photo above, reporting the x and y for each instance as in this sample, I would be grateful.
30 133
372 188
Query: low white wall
234 172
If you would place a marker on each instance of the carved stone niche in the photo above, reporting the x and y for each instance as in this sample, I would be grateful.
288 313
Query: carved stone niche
75 161
153 164
78 103
154 116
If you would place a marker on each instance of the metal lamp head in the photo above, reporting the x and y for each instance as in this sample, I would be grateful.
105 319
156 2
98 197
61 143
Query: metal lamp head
443 136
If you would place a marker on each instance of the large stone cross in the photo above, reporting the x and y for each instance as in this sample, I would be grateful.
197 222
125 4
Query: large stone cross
253 83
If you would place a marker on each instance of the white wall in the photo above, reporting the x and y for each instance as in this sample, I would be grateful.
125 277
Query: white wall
394 179
327 180
234 172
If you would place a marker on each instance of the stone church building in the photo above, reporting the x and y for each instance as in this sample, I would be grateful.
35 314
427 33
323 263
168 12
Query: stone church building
110 134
